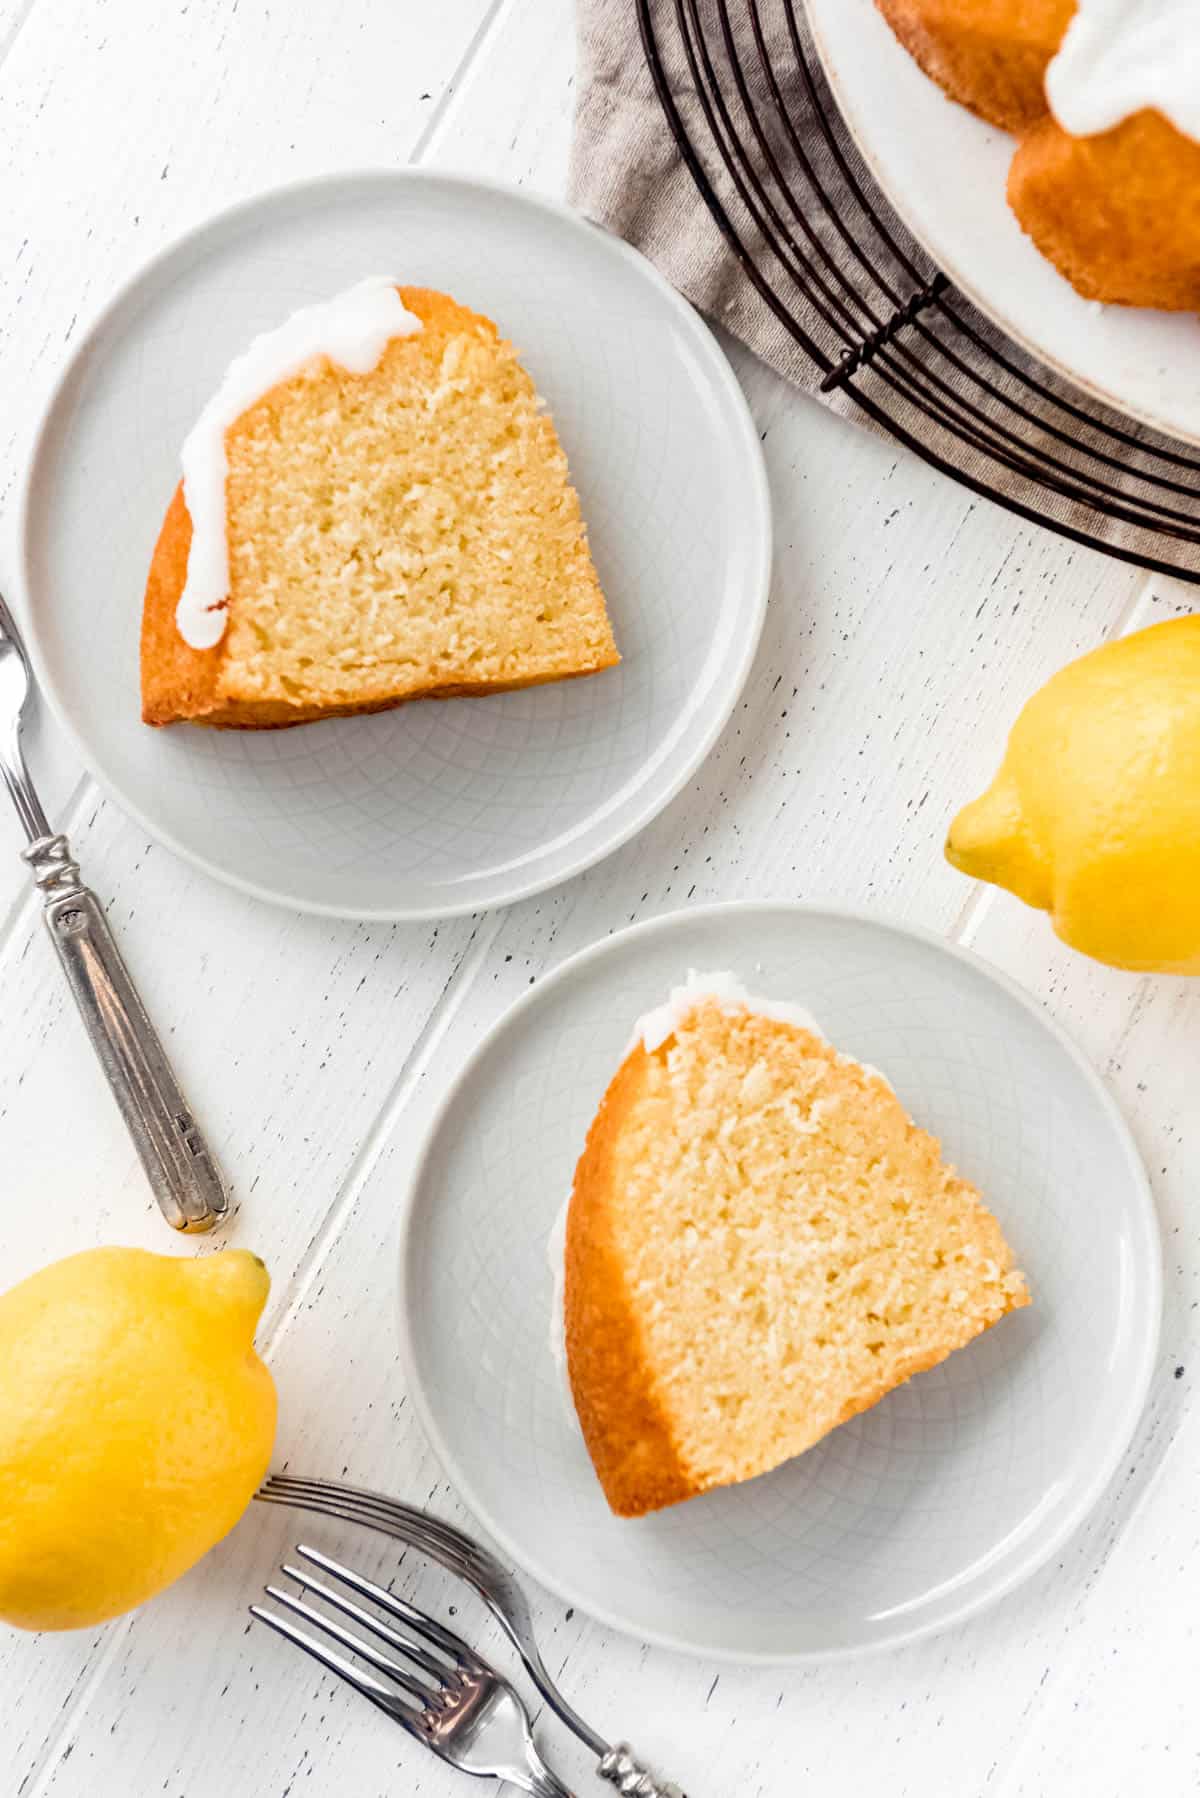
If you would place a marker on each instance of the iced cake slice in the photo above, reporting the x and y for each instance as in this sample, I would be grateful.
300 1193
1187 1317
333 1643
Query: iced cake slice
375 507
760 1244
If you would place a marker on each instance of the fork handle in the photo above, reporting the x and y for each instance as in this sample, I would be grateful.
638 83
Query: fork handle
183 1175
631 1779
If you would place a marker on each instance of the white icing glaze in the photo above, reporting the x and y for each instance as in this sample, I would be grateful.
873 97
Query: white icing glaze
352 329
1122 56
727 990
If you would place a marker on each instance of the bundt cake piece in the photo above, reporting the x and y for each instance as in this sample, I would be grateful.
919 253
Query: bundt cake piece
760 1244
1119 213
990 55
375 507
1105 98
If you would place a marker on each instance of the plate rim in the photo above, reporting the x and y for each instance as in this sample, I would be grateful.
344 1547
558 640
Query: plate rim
1144 1348
758 533
950 265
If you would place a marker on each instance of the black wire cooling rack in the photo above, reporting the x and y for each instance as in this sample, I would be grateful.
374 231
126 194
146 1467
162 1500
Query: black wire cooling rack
745 97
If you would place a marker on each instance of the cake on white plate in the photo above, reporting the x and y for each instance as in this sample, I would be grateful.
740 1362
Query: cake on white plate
759 1244
375 507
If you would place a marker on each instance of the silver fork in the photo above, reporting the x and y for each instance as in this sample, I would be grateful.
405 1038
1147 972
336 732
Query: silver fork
450 1699
182 1174
443 1543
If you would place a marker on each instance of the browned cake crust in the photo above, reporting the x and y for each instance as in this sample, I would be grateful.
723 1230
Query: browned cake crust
177 680
990 55
627 1435
1118 214
182 683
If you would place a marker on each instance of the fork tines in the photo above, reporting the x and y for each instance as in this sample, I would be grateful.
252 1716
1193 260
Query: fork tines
409 1694
438 1538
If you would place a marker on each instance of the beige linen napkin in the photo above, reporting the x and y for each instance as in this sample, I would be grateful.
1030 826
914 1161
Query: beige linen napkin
628 174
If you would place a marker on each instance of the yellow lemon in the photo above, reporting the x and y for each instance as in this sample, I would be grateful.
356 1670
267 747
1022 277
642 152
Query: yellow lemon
1095 813
136 1421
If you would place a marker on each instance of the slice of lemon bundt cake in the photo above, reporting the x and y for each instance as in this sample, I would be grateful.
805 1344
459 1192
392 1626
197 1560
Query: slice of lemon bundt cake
990 55
375 507
1117 213
1104 97
760 1244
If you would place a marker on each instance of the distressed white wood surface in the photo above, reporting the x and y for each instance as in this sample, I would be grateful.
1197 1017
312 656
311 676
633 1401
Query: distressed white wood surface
908 622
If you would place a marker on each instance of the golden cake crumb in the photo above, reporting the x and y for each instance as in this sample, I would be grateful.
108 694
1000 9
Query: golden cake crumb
760 1244
407 533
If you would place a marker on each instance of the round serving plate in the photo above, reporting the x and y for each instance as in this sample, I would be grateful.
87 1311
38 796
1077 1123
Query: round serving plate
914 1515
945 172
461 804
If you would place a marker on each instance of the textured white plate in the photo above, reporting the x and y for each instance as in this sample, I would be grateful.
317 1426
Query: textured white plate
914 1515
945 172
456 804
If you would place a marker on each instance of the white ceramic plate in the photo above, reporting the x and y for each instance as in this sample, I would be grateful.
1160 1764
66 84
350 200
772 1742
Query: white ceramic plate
914 1515
459 804
945 172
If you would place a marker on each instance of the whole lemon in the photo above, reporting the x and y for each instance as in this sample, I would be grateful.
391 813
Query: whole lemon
136 1421
1095 813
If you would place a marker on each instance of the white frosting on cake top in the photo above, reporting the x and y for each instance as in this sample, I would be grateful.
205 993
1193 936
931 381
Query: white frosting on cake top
1123 56
654 1027
353 329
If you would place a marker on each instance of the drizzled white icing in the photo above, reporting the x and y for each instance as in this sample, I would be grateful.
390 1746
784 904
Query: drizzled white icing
1123 56
352 329
654 1027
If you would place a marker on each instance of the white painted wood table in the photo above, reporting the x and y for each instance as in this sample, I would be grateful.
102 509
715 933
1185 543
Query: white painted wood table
908 621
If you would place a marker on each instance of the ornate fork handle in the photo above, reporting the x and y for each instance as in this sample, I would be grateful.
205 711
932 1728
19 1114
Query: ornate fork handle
631 1779
185 1181
55 870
